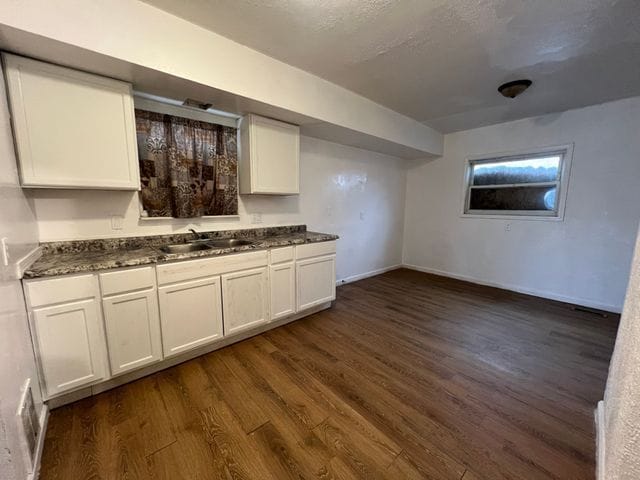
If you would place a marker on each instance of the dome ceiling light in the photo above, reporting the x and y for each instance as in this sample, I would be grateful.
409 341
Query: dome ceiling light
515 88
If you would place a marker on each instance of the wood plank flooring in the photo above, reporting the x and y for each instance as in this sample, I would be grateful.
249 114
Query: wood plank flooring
409 375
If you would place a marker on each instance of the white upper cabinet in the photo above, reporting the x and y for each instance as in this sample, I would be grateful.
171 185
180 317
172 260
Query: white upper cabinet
269 156
72 129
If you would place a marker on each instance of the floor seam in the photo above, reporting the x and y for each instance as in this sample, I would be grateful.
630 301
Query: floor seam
161 448
258 427
395 458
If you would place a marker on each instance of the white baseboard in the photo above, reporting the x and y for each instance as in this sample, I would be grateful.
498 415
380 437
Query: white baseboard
372 273
44 420
600 445
519 289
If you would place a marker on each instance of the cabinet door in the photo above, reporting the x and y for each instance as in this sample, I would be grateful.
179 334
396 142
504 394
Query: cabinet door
244 296
282 283
315 281
270 156
190 314
70 345
133 330
72 129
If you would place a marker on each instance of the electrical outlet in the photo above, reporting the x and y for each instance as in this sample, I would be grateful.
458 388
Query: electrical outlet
362 216
117 222
256 218
507 227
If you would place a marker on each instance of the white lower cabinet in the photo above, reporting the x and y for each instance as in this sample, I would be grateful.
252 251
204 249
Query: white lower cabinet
315 281
190 314
245 299
132 323
154 312
282 283
69 345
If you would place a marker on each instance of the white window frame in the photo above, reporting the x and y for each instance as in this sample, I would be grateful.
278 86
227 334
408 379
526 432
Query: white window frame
153 103
562 184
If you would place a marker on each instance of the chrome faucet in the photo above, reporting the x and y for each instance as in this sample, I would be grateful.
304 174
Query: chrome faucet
198 236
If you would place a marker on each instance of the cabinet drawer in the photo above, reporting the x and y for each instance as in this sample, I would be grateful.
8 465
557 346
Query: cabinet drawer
59 290
315 249
128 280
281 255
207 267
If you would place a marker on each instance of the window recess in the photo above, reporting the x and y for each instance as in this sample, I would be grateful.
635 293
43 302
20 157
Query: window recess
532 184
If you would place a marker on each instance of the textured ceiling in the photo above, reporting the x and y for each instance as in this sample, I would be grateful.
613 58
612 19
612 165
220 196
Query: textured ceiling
440 61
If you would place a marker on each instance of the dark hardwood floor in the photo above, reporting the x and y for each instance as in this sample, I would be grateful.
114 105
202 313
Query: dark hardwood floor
409 375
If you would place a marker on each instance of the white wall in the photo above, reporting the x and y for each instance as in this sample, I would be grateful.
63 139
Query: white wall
585 258
622 396
18 225
354 193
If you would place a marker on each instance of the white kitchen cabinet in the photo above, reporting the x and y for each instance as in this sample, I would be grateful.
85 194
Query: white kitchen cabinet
72 129
132 323
245 299
131 318
269 156
66 325
190 314
315 274
69 345
282 282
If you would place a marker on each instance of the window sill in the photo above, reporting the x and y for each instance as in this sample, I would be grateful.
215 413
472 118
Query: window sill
189 220
513 217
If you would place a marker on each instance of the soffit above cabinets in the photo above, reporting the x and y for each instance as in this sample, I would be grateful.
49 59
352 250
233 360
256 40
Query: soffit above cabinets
441 61
164 55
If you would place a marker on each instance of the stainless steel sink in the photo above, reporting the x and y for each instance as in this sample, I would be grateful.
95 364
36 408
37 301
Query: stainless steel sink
185 247
205 244
229 242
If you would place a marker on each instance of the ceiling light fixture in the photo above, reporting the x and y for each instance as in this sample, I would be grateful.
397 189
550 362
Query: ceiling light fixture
515 88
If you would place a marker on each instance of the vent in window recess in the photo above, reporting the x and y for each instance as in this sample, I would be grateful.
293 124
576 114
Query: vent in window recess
517 185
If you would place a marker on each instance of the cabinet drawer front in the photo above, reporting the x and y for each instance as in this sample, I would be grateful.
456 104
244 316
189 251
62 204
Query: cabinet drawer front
315 249
69 345
281 255
192 269
60 290
128 280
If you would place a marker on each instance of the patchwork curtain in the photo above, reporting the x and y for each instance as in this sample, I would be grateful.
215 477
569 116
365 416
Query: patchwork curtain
188 168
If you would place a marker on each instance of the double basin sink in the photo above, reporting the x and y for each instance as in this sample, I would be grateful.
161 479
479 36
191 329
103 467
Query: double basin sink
205 244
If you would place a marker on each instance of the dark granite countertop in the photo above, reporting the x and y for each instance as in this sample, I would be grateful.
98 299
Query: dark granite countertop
62 258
